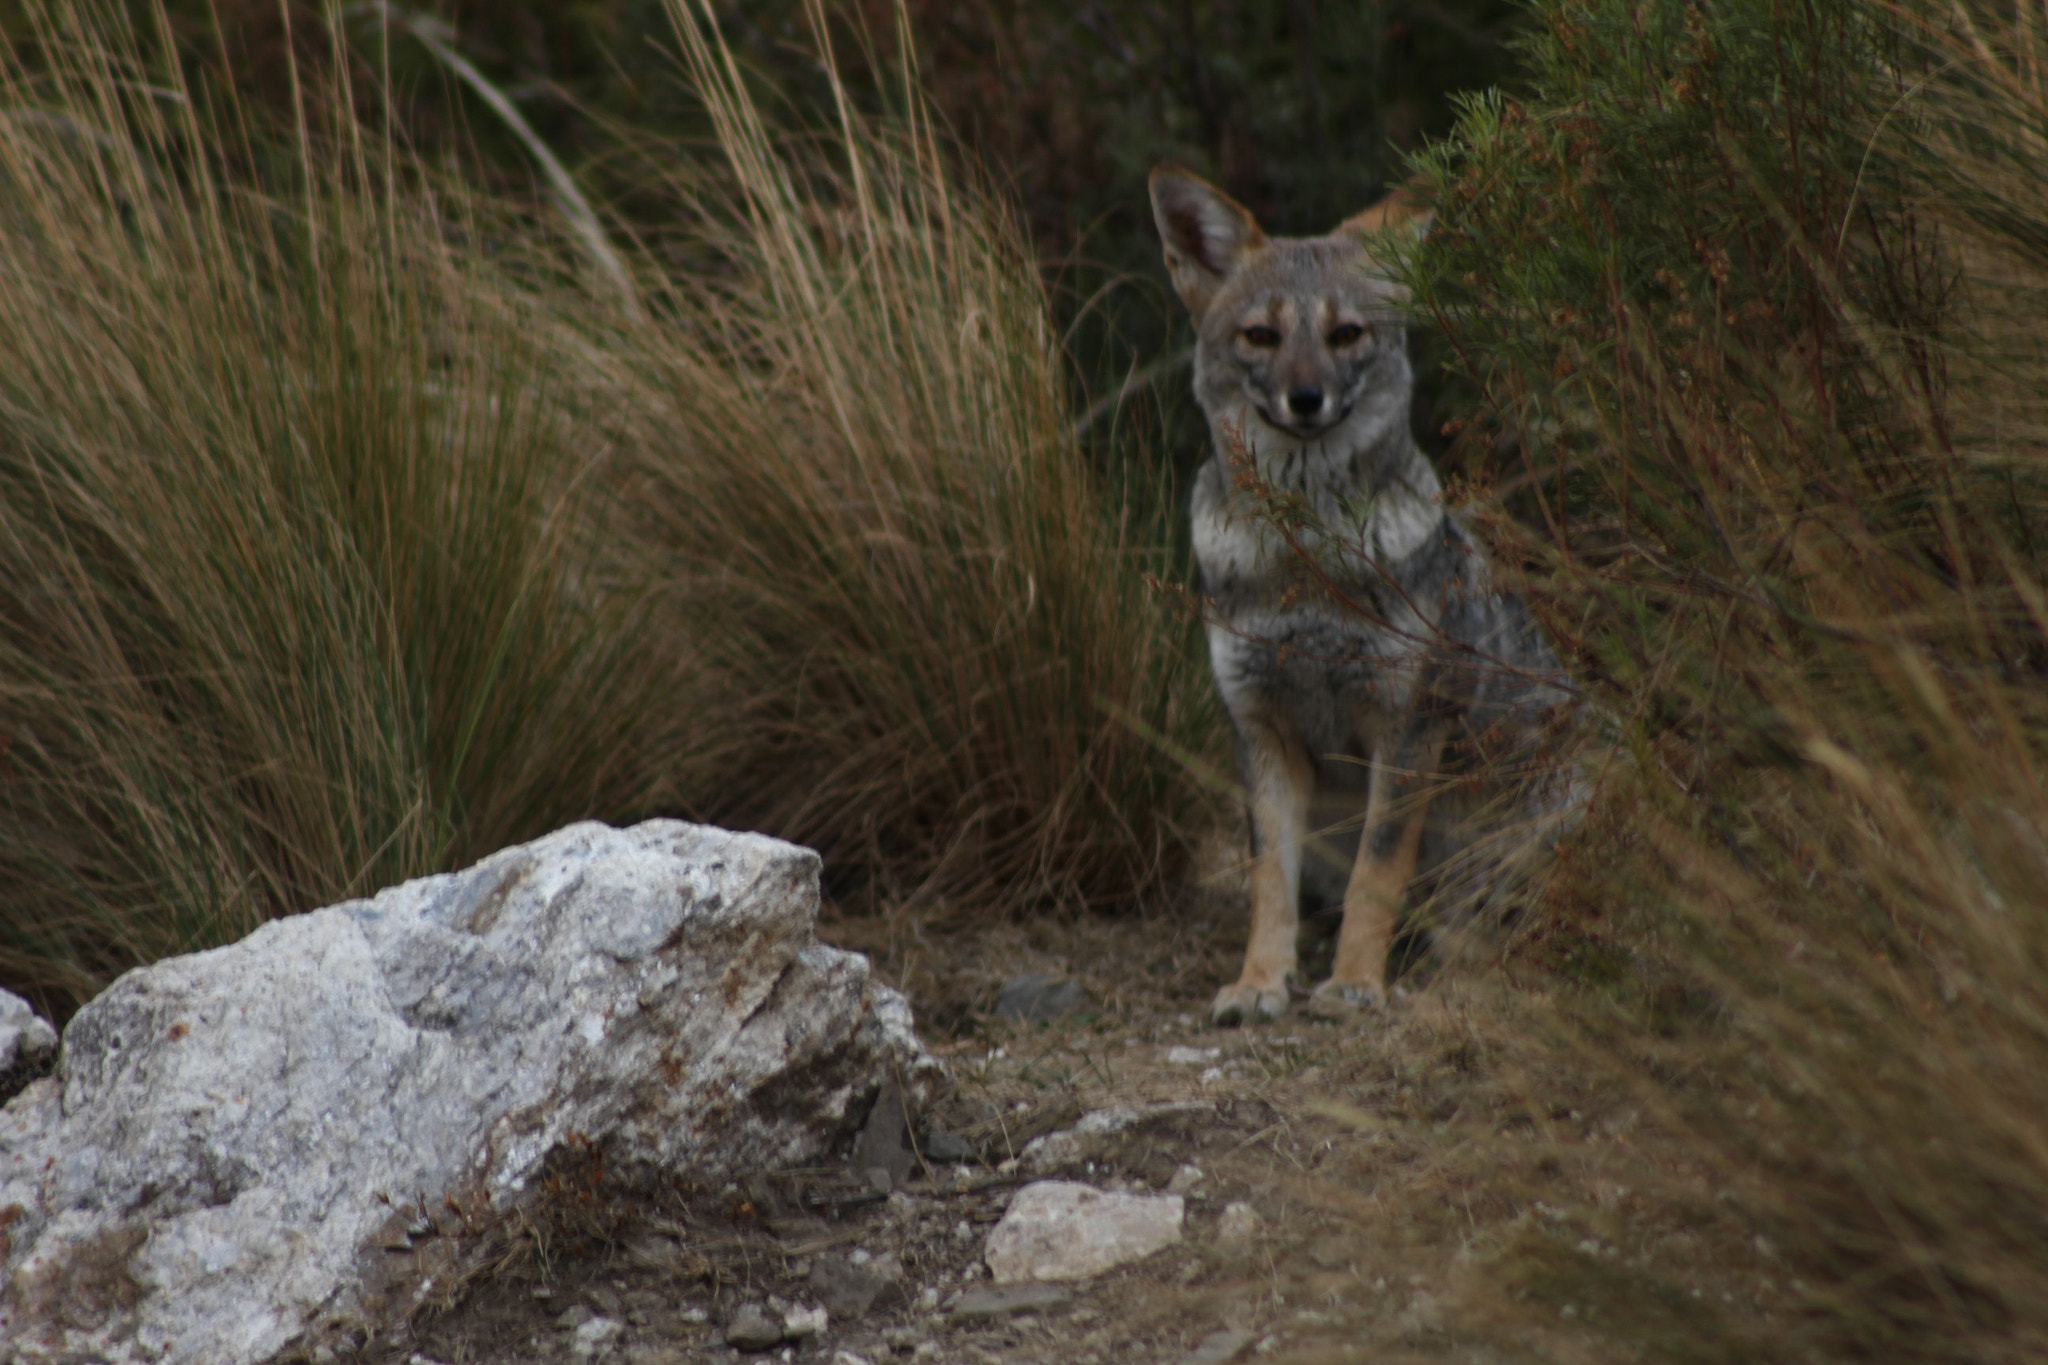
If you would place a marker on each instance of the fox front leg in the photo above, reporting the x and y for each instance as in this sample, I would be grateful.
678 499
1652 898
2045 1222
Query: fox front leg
1397 803
1281 781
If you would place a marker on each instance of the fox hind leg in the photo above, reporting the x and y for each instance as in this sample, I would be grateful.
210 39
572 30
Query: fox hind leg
1281 781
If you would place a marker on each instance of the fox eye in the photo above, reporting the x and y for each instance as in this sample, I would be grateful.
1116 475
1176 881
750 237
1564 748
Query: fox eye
1345 333
1265 338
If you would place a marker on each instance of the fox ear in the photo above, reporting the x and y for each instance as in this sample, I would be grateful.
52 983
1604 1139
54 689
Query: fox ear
1401 211
1206 233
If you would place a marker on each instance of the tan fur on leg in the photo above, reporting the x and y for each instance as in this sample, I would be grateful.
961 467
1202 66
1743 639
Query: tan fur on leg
1372 897
1282 780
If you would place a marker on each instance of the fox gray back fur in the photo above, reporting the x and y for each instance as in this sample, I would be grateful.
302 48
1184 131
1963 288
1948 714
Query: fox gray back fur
1352 622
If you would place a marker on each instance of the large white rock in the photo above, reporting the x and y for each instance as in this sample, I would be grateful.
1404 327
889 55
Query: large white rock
275 1143
1061 1230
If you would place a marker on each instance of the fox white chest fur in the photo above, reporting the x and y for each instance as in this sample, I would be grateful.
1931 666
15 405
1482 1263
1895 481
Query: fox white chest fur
1329 648
1356 638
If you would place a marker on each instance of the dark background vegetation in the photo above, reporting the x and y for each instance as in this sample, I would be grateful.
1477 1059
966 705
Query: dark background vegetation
1301 109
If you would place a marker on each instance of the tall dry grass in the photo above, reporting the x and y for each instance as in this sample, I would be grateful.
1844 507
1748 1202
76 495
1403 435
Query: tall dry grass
353 526
296 543
927 632
1766 304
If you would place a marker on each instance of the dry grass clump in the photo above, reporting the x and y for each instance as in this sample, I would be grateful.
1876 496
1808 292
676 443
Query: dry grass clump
1761 289
353 527
927 634
295 564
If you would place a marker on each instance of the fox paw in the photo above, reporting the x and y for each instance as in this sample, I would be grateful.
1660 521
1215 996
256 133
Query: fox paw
1343 1000
1245 1004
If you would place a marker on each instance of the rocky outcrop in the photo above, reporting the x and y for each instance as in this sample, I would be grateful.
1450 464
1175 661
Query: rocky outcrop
275 1144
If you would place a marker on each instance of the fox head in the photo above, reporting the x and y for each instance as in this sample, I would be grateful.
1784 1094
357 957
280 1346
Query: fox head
1303 332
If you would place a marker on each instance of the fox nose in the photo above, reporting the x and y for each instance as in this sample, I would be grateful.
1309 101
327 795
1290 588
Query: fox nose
1306 401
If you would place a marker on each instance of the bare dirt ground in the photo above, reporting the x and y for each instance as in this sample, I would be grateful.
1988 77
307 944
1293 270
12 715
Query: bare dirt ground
1428 1184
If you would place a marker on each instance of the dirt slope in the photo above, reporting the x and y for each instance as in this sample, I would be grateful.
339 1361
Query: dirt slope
1429 1184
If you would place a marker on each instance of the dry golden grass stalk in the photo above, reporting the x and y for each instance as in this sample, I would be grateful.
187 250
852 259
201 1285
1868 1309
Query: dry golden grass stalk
299 585
930 649
346 536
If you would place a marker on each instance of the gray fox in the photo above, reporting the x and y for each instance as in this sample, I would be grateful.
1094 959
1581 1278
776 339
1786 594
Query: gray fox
1357 643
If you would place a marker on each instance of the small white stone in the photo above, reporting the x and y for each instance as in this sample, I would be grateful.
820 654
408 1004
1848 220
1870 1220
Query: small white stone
800 1322
1192 1056
1239 1224
594 1336
1184 1180
1061 1230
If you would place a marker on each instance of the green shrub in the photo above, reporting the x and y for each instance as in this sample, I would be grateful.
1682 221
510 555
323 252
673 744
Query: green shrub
1757 287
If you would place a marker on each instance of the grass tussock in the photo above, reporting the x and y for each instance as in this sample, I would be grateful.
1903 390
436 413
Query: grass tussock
354 525
1759 288
927 634
294 535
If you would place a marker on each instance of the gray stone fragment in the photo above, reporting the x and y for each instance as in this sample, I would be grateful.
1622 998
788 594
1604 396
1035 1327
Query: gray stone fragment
28 1045
248 1152
1040 999
753 1328
884 1144
946 1147
1004 1300
1060 1230
849 1291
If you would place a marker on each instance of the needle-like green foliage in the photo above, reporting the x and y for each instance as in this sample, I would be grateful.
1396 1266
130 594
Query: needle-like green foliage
1758 287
